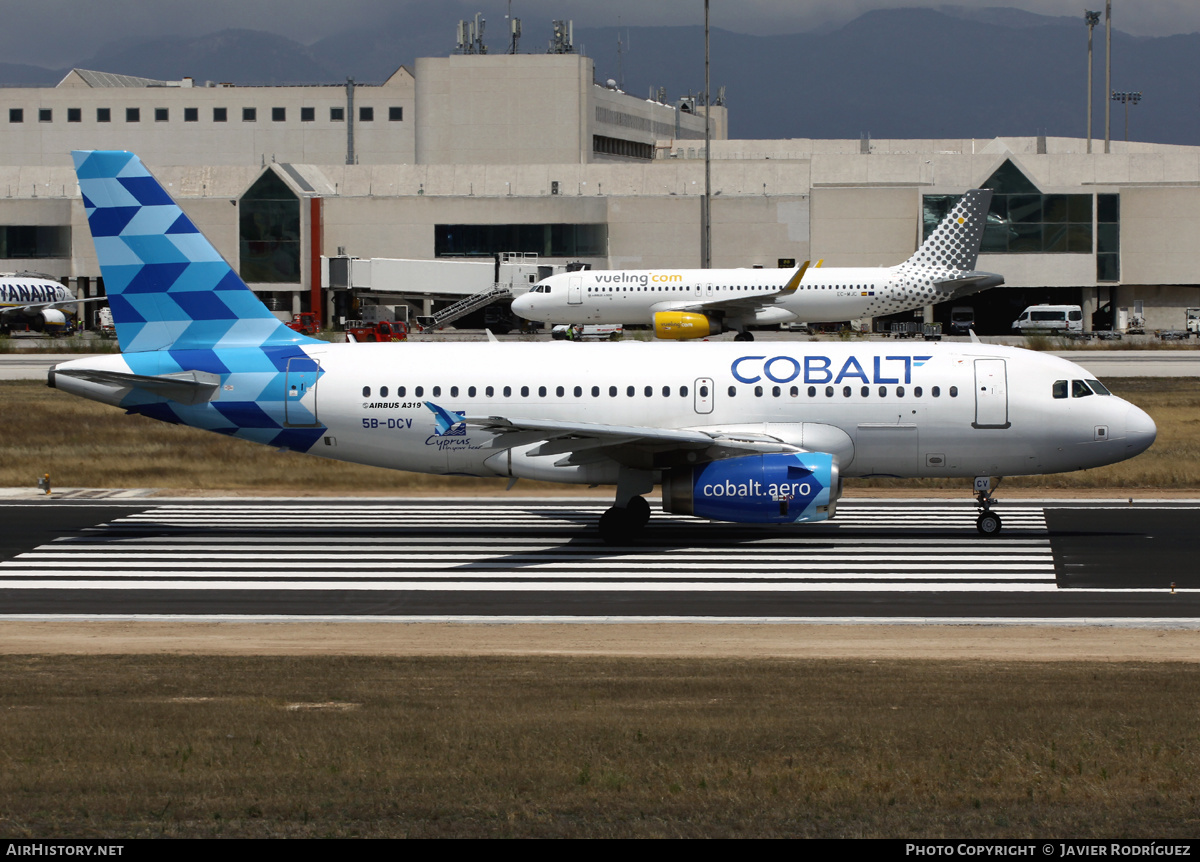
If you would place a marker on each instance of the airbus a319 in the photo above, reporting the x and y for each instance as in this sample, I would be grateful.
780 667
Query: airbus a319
730 432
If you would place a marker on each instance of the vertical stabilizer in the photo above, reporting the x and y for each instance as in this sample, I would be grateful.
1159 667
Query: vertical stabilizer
954 244
168 287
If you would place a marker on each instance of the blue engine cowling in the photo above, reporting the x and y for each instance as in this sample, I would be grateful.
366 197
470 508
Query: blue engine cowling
756 489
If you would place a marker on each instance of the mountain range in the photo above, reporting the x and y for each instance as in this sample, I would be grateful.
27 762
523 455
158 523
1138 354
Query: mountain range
898 73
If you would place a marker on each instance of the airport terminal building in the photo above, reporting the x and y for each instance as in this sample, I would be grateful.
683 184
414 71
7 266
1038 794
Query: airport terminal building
470 156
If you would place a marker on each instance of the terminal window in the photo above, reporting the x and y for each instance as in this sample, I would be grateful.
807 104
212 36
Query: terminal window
161 115
548 240
249 115
133 115
104 115
35 241
191 115
45 115
1021 219
16 115
269 231
395 114
74 115
1108 237
220 115
366 115
337 115
278 115
307 115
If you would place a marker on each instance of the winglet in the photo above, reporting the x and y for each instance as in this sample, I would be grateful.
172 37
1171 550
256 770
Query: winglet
794 281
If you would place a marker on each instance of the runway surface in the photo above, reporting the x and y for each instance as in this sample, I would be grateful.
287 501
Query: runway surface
542 558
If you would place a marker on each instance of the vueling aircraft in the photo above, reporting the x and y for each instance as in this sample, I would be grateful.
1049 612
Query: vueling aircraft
731 433
37 301
695 303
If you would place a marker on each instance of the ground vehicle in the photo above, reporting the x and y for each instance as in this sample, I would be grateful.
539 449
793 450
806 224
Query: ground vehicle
1050 318
1193 321
962 319
306 322
581 331
383 330
102 322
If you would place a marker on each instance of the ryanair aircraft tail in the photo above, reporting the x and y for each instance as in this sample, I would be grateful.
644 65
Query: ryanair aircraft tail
954 244
168 288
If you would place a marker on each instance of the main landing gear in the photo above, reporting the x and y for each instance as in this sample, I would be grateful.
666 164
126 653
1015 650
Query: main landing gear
624 522
744 335
988 523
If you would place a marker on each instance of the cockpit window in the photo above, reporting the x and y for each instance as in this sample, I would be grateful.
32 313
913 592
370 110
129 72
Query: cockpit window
1079 389
1060 389
1098 387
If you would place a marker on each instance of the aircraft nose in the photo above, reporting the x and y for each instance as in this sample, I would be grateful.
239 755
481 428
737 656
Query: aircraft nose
1140 430
523 306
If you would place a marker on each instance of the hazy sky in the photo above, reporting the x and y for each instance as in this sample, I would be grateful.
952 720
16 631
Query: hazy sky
59 32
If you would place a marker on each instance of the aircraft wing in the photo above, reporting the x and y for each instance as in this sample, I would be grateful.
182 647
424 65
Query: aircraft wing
642 447
31 307
737 303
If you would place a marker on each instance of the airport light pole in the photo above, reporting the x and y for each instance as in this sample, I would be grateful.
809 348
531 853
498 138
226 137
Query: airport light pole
1091 19
1107 71
707 215
1125 99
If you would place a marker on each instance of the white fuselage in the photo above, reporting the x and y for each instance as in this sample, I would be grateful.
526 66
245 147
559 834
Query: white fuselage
21 291
882 409
826 294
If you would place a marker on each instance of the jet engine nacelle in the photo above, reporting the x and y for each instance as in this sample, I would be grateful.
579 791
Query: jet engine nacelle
48 320
756 489
680 325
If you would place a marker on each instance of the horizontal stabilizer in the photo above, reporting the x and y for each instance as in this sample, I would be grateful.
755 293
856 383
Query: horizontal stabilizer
185 387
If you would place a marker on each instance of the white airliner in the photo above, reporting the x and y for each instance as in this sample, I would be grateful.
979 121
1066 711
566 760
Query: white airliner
27 299
730 432
695 303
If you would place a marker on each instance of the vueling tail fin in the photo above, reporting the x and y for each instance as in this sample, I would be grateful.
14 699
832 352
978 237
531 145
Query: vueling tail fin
167 286
954 244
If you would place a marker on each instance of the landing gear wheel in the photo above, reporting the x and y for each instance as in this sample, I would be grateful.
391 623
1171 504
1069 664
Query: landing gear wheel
988 524
744 336
638 511
621 526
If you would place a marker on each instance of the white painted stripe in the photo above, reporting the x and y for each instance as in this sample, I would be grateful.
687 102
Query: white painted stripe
461 556
524 587
355 570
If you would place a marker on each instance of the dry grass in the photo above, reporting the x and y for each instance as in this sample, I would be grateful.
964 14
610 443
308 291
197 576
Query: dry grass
189 746
85 444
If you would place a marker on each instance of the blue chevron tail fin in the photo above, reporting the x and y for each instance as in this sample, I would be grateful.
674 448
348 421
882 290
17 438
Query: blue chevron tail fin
168 287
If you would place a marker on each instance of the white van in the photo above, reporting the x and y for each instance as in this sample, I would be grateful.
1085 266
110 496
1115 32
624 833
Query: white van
1050 318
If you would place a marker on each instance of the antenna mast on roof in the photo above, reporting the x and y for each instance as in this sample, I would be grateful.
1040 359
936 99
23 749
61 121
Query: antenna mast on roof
563 39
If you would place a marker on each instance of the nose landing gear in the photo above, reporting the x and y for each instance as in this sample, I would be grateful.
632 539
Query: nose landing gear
988 523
